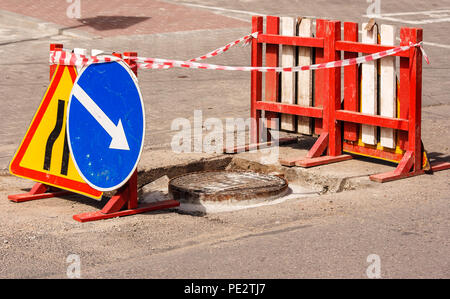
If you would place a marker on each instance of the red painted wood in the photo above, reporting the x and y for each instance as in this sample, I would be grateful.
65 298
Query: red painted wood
271 78
405 38
415 99
316 151
54 47
117 201
327 94
310 162
39 191
256 79
351 83
375 120
28 197
319 146
372 151
319 76
38 188
356 47
291 40
132 191
437 166
402 171
392 176
289 109
333 88
406 163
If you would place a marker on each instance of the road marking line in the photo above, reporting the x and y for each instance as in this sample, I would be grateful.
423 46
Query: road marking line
224 9
414 12
429 13
314 17
436 45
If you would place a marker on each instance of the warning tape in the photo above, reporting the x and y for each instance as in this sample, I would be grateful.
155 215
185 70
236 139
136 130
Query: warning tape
67 58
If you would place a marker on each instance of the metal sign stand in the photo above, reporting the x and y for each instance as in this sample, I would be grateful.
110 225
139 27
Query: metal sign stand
125 197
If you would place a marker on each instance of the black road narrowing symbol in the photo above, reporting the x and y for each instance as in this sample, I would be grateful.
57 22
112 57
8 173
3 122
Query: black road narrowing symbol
52 139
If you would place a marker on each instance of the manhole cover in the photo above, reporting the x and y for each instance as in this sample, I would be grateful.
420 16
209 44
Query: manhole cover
219 186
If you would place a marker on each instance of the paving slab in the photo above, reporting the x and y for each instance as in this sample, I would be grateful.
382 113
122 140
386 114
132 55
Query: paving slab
328 236
112 18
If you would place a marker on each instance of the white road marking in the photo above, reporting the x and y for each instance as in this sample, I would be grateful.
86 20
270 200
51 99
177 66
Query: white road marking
415 12
382 16
436 45
224 9
434 16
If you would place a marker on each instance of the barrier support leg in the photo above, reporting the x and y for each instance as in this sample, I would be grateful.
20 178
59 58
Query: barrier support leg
406 169
39 191
330 138
314 156
411 163
126 198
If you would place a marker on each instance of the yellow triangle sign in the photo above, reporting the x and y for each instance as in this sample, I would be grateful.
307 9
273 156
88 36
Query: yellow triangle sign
43 155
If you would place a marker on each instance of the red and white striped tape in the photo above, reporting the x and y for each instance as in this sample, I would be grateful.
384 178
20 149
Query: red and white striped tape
65 58
246 39
68 58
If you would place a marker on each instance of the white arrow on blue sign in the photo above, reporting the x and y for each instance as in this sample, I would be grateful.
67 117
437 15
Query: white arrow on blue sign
106 124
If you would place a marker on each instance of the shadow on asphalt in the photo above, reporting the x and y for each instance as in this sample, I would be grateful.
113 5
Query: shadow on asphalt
438 157
102 23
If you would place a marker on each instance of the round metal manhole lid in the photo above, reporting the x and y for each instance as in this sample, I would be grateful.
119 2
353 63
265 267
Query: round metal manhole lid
219 186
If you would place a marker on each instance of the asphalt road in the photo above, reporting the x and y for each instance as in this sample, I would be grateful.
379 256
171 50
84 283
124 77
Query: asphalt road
404 223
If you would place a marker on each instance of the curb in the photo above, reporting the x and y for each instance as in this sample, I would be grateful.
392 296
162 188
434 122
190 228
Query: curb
7 17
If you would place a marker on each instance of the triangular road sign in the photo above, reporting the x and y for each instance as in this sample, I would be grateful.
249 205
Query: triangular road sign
43 155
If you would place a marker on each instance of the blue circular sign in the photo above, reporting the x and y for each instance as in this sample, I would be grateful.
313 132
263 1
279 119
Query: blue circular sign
106 124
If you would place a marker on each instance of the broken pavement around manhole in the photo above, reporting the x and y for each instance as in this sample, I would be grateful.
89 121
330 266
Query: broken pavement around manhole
158 167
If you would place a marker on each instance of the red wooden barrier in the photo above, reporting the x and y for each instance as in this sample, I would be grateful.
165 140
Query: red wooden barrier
338 121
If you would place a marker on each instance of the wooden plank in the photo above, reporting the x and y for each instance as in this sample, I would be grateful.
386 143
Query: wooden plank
304 78
351 83
415 100
388 97
333 89
369 88
287 27
290 109
310 162
356 47
271 78
255 80
405 39
319 76
315 42
374 120
390 155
